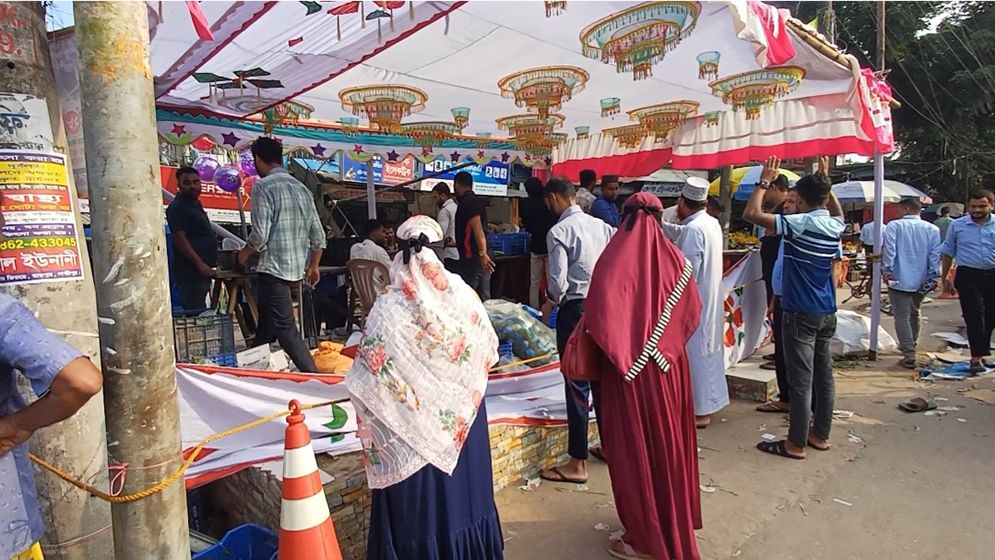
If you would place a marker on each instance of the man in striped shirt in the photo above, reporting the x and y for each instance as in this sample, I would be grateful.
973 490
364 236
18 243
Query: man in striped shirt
811 244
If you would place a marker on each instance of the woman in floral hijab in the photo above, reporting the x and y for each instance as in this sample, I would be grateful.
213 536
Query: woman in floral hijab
418 384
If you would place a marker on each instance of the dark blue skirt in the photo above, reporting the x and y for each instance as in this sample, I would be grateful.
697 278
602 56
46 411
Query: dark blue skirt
433 516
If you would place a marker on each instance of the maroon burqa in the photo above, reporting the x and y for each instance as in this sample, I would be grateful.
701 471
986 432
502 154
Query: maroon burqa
646 403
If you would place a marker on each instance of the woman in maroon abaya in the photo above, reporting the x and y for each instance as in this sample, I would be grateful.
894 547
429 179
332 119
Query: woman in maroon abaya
640 312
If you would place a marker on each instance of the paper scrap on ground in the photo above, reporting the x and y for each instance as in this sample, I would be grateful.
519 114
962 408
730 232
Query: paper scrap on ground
844 502
842 414
530 485
935 413
600 527
962 420
707 489
768 436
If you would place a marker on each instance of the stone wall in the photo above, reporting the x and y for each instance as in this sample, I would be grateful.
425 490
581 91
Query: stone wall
253 495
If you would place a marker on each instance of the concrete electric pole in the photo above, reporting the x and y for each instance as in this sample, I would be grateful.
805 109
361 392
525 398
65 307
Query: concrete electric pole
77 525
129 248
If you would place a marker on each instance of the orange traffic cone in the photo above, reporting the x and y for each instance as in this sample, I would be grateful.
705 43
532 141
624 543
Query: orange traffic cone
306 530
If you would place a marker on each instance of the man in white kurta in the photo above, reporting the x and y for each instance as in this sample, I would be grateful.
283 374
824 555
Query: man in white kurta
699 237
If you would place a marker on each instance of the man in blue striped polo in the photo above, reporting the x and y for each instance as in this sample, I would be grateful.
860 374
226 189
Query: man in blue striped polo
808 300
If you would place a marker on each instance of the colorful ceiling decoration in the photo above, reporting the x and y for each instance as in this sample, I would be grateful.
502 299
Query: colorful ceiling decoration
217 86
288 112
350 125
660 120
429 133
610 106
629 136
545 89
637 38
582 132
383 105
555 8
482 139
461 117
712 118
708 65
752 91
530 131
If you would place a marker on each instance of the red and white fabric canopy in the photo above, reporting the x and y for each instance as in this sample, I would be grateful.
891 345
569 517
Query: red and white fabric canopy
459 55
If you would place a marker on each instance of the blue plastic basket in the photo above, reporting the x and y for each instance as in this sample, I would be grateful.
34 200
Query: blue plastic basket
509 243
203 338
245 542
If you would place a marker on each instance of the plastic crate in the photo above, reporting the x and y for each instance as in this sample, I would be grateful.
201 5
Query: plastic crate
509 243
203 338
245 542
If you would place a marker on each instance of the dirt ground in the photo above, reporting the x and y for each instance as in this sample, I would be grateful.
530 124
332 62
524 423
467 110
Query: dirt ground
894 485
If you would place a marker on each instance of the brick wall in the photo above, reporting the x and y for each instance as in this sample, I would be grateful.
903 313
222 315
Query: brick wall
253 495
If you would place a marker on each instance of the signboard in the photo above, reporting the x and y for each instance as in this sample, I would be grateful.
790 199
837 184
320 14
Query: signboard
381 196
385 172
663 190
40 242
221 206
489 179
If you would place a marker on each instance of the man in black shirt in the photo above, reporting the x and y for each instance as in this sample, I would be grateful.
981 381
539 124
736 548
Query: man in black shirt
471 241
194 239
537 219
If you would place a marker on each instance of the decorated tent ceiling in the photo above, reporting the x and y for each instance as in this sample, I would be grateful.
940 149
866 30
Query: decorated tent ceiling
633 85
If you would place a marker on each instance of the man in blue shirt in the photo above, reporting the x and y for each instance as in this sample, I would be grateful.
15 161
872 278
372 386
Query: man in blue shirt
66 380
604 207
910 263
808 301
971 242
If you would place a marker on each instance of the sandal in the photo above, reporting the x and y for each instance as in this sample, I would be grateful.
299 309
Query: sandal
560 477
909 363
769 366
917 404
598 453
777 448
767 357
702 423
623 551
819 447
772 406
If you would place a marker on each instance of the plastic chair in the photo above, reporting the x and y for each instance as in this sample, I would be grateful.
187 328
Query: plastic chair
369 280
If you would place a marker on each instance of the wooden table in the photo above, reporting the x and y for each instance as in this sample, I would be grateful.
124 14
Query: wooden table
237 283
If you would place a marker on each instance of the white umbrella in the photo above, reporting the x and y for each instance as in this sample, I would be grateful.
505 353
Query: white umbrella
860 192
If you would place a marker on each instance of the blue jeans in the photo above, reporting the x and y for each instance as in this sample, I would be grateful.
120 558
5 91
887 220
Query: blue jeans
809 363
579 393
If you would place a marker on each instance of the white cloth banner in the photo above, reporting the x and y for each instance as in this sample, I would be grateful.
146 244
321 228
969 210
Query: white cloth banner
747 327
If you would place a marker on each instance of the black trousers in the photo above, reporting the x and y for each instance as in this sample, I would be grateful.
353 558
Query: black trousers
472 272
276 321
578 392
769 247
193 290
976 289
780 367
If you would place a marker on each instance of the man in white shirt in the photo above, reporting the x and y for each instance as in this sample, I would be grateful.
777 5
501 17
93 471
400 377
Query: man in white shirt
371 249
447 253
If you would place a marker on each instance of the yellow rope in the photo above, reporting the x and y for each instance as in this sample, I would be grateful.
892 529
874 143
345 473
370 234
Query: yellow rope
160 486
522 362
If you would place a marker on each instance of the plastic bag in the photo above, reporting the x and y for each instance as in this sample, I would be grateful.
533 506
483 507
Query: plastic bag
529 338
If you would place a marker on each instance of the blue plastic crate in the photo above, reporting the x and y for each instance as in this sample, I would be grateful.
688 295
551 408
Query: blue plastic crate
509 243
202 338
245 542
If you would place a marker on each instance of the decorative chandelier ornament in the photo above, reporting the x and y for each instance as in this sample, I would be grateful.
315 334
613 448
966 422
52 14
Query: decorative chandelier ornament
629 136
555 8
483 139
754 90
636 38
712 118
350 125
660 120
610 106
429 133
461 117
708 65
541 90
529 131
288 112
383 105
583 132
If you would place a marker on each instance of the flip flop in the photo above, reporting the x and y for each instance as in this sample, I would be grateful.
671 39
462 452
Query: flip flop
561 477
771 407
702 424
597 453
769 366
918 404
777 448
767 357
908 363
623 551
825 447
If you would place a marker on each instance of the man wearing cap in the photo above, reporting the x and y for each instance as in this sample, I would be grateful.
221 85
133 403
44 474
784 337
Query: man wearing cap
699 237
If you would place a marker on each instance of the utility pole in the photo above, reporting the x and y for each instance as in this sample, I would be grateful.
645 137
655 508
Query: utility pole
122 157
76 445
878 203
725 195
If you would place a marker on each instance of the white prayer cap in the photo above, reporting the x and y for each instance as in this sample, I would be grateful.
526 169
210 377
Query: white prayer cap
695 188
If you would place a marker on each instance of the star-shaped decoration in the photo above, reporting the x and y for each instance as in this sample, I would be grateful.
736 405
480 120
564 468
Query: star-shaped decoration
230 139
528 157
454 156
505 157
358 148
392 155
426 150
179 129
480 153
318 150
548 161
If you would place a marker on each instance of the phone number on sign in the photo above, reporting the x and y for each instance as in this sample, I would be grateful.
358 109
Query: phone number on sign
37 243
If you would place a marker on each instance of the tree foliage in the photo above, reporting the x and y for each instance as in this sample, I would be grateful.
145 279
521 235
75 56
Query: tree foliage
941 62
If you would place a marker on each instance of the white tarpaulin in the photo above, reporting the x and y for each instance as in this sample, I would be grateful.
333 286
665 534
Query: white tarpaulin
745 307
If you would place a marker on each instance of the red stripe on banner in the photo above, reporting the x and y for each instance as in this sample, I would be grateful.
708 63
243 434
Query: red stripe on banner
328 379
303 487
635 164
792 150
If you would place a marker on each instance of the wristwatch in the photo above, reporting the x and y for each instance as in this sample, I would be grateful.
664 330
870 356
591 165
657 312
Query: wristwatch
763 184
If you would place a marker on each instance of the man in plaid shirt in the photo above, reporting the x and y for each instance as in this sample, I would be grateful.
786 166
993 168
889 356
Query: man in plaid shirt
283 217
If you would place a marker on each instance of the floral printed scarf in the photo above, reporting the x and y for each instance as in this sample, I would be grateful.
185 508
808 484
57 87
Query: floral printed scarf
421 369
